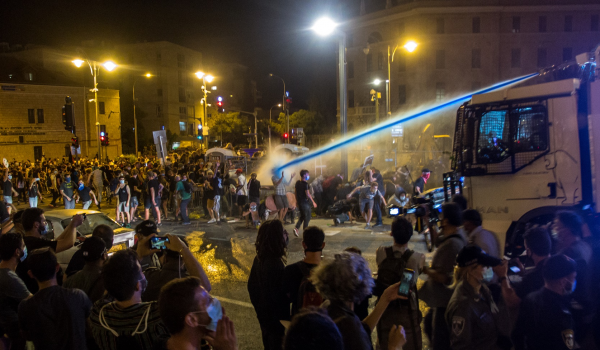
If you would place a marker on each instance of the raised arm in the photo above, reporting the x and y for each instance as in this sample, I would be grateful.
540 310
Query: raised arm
67 238
191 263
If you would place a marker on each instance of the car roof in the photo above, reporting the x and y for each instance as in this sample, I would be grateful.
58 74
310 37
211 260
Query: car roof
68 213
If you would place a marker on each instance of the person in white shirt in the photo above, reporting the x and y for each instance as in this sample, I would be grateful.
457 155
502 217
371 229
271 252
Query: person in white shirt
242 194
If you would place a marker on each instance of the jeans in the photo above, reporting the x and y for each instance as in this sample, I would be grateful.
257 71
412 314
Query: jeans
217 206
377 210
69 204
8 199
305 213
183 208
87 204
33 202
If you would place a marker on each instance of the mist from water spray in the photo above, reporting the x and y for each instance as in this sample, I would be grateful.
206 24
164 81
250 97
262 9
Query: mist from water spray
348 140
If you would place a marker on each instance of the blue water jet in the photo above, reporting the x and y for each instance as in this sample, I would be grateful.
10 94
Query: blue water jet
346 141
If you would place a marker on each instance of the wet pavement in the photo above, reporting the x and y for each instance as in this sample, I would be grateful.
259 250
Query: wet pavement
226 252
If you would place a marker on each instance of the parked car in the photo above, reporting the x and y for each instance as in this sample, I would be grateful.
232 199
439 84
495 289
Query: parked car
58 220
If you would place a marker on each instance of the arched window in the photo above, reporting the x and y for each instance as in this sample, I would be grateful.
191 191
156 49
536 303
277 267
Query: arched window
375 38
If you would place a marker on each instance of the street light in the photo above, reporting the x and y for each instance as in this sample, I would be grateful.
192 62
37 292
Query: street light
376 82
286 111
271 110
323 27
135 128
205 78
94 69
409 46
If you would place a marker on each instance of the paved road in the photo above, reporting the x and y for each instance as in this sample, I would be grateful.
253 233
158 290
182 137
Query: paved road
226 251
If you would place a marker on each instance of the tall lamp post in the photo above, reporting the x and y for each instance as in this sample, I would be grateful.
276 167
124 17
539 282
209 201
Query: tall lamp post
286 111
325 27
271 110
410 46
205 78
135 129
94 69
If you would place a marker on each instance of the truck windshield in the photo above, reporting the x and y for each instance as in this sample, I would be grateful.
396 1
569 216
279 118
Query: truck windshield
90 223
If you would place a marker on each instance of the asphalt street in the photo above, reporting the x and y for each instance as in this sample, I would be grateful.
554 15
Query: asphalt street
226 252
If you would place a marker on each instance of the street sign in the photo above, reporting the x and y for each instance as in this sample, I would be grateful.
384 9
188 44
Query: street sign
397 131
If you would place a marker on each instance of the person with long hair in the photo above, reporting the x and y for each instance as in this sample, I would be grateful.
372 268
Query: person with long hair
265 282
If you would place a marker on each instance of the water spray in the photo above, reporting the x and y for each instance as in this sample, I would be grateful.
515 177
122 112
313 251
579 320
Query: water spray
348 140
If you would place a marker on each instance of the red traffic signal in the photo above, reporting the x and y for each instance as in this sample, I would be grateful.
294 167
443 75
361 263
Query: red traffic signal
285 136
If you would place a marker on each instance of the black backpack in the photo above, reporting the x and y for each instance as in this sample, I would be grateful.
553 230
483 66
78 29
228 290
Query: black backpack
390 270
307 293
187 187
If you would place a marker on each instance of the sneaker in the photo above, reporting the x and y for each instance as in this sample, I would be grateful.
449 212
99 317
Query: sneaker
186 223
159 224
296 232
336 221
211 221
368 227
378 225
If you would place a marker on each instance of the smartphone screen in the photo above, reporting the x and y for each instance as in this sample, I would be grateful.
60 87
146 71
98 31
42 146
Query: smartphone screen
515 269
394 211
407 277
158 242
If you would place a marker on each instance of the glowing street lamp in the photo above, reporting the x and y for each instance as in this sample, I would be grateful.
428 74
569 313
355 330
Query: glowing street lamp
410 46
205 78
324 27
376 81
94 67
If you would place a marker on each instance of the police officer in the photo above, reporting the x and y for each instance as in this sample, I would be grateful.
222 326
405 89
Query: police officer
545 320
475 320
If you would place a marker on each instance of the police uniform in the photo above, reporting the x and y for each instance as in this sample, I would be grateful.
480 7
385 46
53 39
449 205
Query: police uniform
475 320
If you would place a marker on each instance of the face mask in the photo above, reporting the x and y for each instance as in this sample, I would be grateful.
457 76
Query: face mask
488 274
44 230
572 289
23 255
122 181
68 179
307 177
10 177
37 179
402 199
143 284
80 187
215 312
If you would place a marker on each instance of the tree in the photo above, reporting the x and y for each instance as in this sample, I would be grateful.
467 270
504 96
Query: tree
229 126
300 119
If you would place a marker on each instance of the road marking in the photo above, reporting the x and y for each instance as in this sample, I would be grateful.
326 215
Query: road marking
331 233
236 302
217 239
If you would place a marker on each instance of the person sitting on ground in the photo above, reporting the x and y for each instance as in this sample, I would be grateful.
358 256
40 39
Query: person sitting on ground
36 227
479 236
12 288
89 279
344 281
367 195
191 314
127 322
300 292
399 199
391 262
313 329
55 317
77 261
537 247
176 261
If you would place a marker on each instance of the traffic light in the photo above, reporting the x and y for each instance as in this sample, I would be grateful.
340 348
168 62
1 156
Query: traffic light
285 135
220 104
68 115
75 141
199 137
104 138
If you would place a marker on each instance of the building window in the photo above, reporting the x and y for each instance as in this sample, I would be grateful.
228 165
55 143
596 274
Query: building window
379 61
158 57
350 98
515 58
21 139
180 61
476 85
349 40
40 113
350 69
190 111
568 23
476 58
30 76
567 53
369 62
182 95
401 94
401 62
440 91
440 26
542 58
594 24
542 24
180 78
440 59
516 24
182 128
476 25
103 128
190 129
101 109
183 111
159 92
31 116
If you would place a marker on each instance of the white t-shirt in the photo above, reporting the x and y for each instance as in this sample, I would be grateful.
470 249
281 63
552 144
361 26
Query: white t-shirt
242 183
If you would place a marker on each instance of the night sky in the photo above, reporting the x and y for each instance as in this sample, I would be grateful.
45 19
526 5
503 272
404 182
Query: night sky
267 36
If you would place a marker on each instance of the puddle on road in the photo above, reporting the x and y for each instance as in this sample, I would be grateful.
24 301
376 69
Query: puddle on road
222 259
